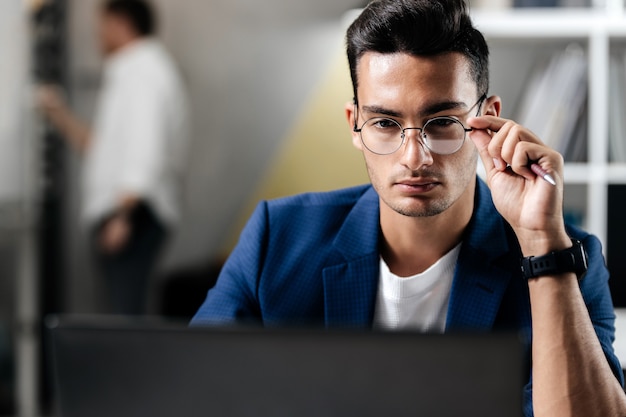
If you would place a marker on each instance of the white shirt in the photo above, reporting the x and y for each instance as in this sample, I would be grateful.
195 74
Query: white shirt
140 133
419 302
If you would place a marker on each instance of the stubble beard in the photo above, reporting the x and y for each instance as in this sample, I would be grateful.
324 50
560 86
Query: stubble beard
431 209
428 206
422 207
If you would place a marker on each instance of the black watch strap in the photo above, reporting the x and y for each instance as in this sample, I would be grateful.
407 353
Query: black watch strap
572 259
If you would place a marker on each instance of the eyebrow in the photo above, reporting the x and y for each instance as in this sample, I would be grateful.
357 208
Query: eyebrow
381 110
443 106
427 111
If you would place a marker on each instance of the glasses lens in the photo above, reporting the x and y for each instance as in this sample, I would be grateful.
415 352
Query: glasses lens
443 135
381 136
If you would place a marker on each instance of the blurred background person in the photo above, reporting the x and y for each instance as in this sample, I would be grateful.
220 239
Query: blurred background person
134 154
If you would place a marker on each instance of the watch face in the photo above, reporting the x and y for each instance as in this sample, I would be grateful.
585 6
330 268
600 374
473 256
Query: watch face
581 259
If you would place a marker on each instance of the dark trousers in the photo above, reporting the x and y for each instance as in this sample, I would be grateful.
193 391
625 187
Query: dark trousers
127 272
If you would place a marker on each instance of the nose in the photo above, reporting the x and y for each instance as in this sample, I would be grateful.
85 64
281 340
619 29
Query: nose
414 153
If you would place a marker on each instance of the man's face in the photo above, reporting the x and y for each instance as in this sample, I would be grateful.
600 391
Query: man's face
413 181
110 32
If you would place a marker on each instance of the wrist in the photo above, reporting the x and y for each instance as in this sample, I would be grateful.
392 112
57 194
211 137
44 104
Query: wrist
558 262
540 243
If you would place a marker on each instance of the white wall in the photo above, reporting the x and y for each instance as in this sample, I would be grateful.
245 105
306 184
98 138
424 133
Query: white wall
14 72
16 147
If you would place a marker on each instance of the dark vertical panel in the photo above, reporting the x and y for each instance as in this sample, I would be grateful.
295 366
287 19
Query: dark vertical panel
50 66
616 243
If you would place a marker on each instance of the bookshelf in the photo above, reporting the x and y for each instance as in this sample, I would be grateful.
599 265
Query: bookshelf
518 38
596 187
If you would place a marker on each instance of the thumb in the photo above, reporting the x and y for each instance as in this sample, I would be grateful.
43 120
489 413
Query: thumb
481 139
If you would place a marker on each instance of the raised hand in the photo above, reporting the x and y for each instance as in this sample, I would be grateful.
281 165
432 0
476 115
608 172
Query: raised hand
531 205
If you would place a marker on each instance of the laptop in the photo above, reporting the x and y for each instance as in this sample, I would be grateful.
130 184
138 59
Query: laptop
119 367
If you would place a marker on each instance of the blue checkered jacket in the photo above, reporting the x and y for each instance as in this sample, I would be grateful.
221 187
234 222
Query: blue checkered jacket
313 259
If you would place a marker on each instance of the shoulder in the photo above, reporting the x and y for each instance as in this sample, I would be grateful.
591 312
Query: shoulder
145 61
345 197
313 214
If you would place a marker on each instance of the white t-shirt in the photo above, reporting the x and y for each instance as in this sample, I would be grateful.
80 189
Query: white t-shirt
419 302
140 135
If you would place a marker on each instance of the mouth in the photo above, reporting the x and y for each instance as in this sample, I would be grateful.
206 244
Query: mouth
416 185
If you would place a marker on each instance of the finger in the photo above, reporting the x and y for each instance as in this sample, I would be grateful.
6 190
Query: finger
497 144
490 143
481 139
527 153
492 126
496 124
51 92
514 140
492 123
47 98
508 135
521 159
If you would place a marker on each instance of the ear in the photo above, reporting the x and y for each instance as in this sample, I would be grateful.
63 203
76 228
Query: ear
351 115
492 106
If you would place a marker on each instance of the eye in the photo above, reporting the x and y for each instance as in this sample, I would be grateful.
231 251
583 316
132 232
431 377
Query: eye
442 122
383 124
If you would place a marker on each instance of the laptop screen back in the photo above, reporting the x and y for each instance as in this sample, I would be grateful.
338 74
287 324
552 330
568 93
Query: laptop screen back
147 369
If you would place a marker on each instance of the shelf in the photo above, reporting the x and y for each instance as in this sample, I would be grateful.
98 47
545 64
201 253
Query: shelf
548 23
576 173
616 174
582 173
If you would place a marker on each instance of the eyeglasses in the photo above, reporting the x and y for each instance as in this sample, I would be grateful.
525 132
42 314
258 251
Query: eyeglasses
443 135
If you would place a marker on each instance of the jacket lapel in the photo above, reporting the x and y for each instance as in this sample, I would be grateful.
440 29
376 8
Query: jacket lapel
479 282
350 287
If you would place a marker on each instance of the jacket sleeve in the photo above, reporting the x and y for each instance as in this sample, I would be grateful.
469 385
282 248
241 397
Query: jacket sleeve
597 296
234 298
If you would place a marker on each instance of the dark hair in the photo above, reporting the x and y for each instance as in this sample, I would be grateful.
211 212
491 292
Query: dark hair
418 27
138 13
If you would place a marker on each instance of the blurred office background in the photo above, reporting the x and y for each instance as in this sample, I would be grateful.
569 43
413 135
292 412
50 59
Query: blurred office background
252 72
260 75
267 83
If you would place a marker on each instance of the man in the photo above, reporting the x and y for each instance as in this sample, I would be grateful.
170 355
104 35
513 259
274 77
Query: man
427 246
134 157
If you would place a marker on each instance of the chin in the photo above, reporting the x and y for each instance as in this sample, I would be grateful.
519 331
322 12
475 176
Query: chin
421 210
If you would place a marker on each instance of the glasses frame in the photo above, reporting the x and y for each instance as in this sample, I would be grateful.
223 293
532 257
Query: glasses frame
420 129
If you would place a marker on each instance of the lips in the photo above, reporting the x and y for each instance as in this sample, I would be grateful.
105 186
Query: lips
419 185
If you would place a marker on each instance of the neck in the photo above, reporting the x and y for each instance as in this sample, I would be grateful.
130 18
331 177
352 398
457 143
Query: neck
123 43
412 244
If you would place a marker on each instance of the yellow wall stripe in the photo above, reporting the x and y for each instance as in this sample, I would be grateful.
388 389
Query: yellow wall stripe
317 154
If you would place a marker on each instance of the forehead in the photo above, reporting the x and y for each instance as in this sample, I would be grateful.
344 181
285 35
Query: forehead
400 77
112 17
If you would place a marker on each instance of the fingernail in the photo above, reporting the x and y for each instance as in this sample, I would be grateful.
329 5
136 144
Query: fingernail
497 163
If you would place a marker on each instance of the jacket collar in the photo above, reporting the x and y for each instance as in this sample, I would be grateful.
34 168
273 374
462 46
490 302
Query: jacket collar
350 287
479 283
483 268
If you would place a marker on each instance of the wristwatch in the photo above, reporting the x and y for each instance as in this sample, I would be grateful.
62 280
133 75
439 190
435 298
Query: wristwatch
572 259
